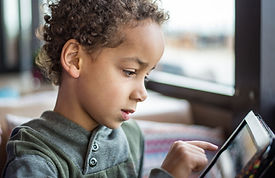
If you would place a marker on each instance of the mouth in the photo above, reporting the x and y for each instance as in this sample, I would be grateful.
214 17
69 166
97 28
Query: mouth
128 111
125 113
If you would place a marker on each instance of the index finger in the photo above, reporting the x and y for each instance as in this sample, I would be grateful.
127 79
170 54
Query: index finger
204 145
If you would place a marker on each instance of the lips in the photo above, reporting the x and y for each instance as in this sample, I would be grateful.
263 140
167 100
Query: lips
128 111
125 113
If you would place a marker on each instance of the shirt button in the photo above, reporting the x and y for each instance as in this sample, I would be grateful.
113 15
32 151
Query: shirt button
95 146
92 162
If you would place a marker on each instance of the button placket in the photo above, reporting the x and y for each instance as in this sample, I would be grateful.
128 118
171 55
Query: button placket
93 161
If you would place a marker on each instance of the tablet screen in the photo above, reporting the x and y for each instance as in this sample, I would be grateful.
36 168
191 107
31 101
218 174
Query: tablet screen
235 157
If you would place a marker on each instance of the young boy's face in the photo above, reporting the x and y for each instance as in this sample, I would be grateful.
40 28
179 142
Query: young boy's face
110 86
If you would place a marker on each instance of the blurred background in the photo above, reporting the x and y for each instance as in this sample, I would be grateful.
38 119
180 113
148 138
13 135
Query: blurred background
219 55
199 37
217 66
19 46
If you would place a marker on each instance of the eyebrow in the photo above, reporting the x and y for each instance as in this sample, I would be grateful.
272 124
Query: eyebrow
137 60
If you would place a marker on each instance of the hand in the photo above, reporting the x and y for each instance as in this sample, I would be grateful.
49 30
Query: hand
186 156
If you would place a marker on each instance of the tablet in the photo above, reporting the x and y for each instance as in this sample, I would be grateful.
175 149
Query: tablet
248 152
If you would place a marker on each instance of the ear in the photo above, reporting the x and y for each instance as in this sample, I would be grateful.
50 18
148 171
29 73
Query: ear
70 60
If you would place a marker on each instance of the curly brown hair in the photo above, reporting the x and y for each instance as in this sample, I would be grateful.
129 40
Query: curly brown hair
93 23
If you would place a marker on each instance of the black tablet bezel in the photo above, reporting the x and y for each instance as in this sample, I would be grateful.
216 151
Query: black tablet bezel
251 120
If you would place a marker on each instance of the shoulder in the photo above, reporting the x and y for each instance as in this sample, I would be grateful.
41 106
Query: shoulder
35 165
28 140
25 141
28 133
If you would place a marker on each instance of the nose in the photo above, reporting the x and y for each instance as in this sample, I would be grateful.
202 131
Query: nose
139 93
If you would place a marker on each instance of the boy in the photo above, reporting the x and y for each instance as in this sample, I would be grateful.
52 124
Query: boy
99 52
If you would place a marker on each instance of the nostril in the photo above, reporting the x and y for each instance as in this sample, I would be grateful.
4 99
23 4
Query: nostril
143 97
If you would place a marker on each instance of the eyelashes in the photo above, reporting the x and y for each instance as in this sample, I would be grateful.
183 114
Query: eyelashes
130 73
133 73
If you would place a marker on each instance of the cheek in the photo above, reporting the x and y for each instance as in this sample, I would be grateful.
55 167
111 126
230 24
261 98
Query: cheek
110 94
105 91
115 92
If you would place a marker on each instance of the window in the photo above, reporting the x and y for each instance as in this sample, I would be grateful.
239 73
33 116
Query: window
10 22
19 20
252 46
199 50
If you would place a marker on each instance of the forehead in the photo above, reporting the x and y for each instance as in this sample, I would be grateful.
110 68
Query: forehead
147 28
146 35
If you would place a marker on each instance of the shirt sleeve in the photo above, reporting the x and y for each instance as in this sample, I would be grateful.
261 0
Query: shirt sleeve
30 166
159 173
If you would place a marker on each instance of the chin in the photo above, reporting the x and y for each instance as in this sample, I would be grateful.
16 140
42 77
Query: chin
114 126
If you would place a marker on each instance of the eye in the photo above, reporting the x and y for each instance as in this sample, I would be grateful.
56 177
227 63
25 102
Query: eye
130 73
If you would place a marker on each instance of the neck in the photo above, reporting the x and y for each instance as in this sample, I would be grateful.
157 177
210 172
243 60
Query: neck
68 105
